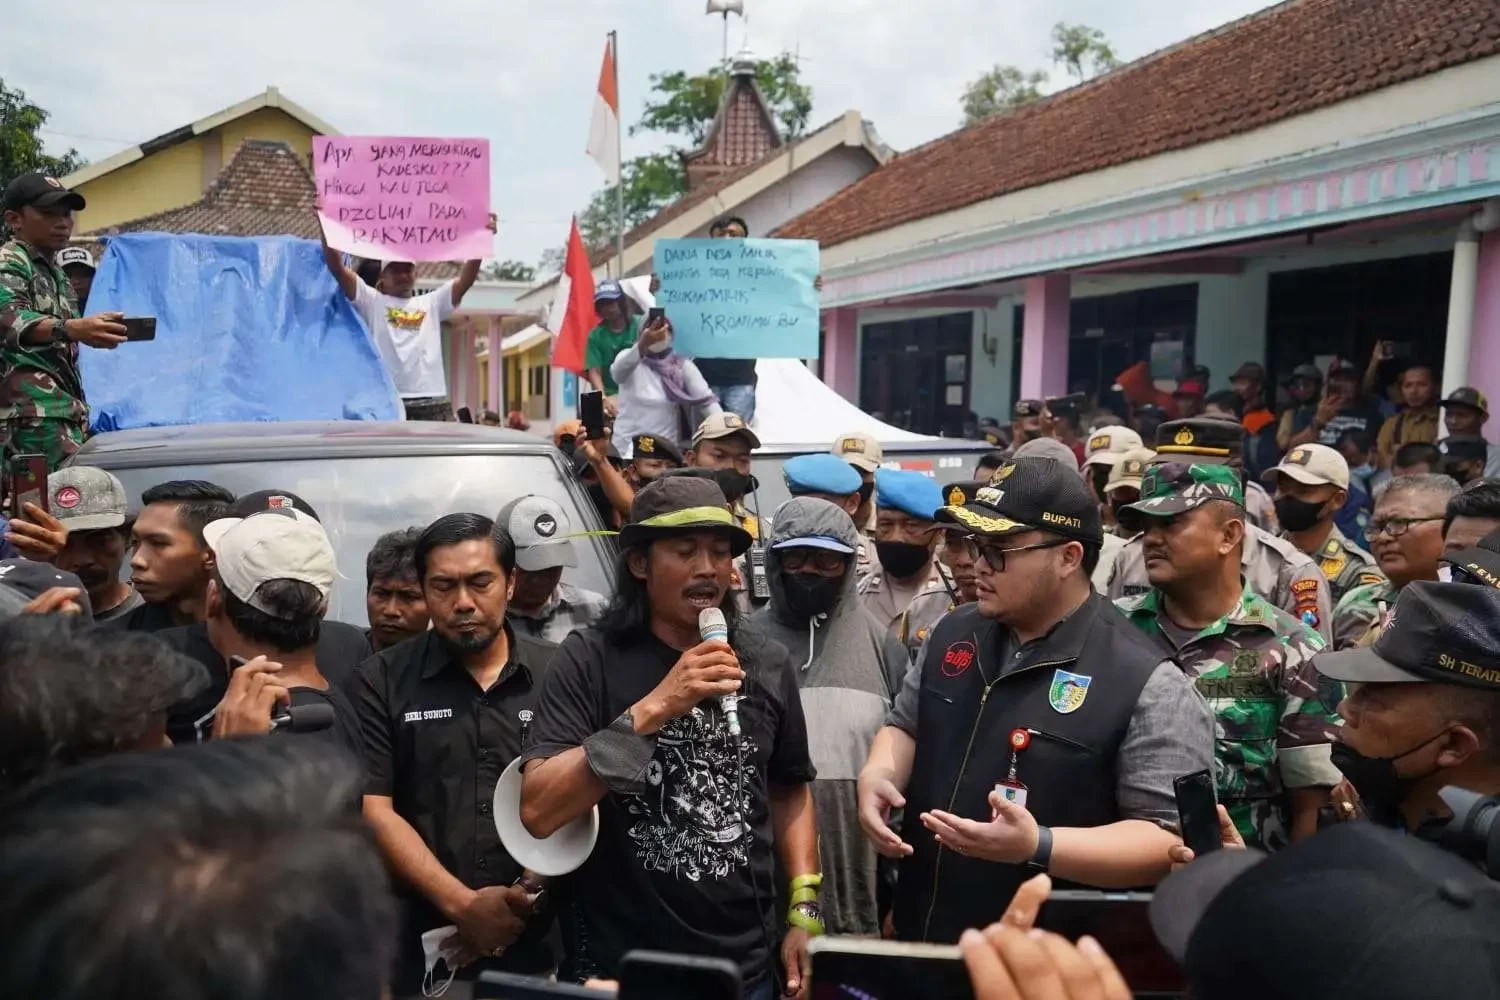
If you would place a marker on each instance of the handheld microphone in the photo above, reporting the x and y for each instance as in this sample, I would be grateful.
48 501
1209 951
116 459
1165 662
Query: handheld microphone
712 627
310 718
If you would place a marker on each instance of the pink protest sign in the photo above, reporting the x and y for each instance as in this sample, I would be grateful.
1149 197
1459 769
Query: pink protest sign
404 199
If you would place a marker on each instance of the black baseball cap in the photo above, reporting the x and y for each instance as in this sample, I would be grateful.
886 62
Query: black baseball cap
264 500
1468 396
42 191
1443 633
24 580
1481 564
652 446
1029 494
1464 448
1357 911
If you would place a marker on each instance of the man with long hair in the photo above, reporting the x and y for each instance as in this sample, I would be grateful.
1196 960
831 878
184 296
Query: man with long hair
691 800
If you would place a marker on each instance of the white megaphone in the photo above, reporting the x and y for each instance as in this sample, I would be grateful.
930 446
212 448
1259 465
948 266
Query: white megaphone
558 854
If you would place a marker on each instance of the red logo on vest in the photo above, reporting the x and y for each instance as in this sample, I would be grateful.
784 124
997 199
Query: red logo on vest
958 657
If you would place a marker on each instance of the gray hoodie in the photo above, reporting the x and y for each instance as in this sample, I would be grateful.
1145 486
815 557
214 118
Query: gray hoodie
849 670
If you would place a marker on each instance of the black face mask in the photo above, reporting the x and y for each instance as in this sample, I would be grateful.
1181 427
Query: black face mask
734 484
1297 515
902 560
866 491
809 594
1381 789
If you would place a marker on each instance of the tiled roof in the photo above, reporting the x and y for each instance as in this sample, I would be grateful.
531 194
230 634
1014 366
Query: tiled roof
743 131
1288 60
266 190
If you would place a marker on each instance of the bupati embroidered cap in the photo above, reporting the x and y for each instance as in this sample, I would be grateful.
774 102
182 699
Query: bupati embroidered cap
1030 494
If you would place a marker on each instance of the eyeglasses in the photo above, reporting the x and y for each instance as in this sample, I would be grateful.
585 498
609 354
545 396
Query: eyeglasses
1395 526
994 553
825 560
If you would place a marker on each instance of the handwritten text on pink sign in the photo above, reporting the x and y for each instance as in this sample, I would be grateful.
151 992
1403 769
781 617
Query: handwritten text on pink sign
406 199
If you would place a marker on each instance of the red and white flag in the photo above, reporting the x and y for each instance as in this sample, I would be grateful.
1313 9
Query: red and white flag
604 128
572 315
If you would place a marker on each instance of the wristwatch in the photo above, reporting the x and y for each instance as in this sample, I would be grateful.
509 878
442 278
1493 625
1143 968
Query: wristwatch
1043 856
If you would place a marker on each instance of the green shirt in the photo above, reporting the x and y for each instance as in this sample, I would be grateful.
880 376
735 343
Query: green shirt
605 345
1274 715
36 380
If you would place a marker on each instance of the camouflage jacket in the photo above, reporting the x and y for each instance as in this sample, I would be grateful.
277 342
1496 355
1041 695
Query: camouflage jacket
35 380
1362 613
1274 715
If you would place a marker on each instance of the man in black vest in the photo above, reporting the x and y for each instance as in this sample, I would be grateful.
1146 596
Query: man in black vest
1069 767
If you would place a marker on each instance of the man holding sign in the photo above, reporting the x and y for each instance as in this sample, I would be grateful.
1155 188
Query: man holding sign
400 201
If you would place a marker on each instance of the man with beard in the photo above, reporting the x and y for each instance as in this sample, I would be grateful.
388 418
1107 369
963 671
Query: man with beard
691 803
1077 723
442 717
1251 661
541 605
906 540
90 503
1312 483
170 563
850 670
393 595
650 456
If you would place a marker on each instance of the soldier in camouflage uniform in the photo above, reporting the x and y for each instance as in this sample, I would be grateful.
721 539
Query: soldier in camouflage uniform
1275 568
42 409
1406 535
1312 484
1275 717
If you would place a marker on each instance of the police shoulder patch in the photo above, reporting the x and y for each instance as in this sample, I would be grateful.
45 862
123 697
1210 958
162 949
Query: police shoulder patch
1332 567
1370 579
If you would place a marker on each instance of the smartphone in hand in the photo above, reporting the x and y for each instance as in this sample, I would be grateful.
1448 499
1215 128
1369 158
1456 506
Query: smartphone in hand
28 483
1197 812
139 327
591 414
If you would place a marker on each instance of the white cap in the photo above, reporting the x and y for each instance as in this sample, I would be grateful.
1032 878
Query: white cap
1108 445
1129 470
279 544
1315 465
860 450
541 530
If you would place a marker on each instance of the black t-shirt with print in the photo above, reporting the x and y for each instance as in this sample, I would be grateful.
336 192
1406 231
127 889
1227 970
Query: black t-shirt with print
672 869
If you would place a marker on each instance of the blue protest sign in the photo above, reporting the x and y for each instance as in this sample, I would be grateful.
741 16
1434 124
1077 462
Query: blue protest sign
740 298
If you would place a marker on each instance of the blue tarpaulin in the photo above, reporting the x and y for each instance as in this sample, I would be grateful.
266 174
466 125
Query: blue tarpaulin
246 329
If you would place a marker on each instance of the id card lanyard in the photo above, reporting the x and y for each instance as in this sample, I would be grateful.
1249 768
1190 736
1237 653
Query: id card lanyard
1012 788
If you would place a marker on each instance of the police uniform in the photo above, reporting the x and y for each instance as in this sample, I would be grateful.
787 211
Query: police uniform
866 454
1057 725
833 478
1274 568
1273 719
916 496
917 621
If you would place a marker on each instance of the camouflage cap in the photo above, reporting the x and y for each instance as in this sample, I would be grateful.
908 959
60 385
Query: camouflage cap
1174 487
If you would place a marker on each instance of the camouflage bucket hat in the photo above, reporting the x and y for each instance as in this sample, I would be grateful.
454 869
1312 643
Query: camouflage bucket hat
1174 487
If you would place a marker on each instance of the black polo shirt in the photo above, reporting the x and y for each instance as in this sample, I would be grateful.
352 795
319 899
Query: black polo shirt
436 744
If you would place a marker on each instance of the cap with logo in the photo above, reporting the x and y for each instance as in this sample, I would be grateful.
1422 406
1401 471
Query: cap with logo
608 290
820 473
74 257
1129 470
87 498
1025 409
1313 465
1172 488
1207 440
41 191
959 494
723 425
24 580
681 503
1480 564
253 551
1445 633
1030 494
911 493
1107 445
1464 448
1404 918
263 500
542 533
1250 371
651 446
1470 397
860 450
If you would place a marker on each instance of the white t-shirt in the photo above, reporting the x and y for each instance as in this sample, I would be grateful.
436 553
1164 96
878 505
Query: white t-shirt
408 333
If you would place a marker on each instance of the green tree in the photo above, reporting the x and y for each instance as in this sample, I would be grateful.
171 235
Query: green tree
509 270
1001 89
20 147
1081 50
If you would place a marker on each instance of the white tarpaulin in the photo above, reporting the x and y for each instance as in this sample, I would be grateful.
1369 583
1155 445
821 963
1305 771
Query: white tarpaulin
794 407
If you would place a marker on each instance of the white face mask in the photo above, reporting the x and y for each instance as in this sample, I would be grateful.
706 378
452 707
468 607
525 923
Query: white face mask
661 346
432 951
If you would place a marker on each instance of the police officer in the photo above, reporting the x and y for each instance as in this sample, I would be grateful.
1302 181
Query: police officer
1038 731
906 540
955 557
829 477
1275 568
650 456
723 444
864 453
1025 422
1312 484
1252 661
1105 449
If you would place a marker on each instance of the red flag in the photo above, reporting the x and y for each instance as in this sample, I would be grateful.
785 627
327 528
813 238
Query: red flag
575 297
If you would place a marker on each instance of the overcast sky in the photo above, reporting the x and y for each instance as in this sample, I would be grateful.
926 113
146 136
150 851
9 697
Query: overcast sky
523 73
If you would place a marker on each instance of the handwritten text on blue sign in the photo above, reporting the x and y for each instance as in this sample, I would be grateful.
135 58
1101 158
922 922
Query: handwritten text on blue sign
740 298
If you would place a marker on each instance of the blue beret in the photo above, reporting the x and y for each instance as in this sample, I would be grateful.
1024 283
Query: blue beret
820 474
909 492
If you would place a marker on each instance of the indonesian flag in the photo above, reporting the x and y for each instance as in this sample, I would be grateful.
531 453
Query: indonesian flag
572 315
604 129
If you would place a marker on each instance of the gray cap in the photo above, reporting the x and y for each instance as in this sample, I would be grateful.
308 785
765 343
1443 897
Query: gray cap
541 530
86 498
1045 447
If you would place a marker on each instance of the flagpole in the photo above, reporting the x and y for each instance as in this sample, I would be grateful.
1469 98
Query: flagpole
614 46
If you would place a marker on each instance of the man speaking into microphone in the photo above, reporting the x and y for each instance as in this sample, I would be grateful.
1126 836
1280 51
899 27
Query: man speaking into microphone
633 719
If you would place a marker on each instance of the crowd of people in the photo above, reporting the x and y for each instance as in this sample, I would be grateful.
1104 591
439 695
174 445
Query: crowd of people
931 703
